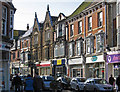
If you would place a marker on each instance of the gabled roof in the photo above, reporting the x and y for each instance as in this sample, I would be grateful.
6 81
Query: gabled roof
81 7
27 33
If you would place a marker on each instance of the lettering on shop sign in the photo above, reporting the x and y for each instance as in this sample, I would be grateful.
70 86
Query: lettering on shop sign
113 58
94 58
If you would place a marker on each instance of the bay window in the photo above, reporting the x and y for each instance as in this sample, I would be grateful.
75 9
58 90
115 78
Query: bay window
79 47
90 45
71 49
4 20
56 51
99 42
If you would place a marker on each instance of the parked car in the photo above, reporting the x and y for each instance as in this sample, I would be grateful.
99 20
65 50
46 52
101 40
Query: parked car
77 83
47 80
97 84
62 82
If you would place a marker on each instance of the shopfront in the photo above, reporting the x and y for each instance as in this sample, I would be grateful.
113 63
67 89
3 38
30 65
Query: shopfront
95 67
59 67
43 68
76 67
113 61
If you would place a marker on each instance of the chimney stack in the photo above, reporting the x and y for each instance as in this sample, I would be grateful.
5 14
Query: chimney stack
27 26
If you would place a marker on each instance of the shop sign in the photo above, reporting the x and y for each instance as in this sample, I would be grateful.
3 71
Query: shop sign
94 58
113 58
58 62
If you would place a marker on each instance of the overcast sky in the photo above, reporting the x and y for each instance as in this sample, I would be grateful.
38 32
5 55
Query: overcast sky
26 10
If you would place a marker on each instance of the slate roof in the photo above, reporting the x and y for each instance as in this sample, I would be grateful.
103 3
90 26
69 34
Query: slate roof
27 33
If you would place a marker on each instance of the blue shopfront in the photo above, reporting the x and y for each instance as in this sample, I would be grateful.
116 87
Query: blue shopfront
113 61
59 67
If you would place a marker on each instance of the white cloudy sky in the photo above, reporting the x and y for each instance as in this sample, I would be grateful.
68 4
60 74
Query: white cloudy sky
26 10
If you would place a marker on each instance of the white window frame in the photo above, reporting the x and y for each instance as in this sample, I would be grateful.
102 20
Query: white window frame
80 27
78 49
61 49
5 19
90 44
56 51
101 42
71 30
71 49
100 19
118 8
90 23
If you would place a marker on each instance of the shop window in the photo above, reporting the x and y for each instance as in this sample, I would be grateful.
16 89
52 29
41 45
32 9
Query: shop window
71 30
79 27
90 23
100 19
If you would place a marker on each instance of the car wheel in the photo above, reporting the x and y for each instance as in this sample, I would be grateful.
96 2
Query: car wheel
84 89
95 90
77 88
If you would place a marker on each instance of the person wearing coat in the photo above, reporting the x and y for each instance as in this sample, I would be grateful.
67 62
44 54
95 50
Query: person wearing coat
111 80
37 83
118 82
29 84
17 82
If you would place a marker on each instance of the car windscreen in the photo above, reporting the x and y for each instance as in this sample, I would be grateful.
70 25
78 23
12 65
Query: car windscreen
47 78
81 79
100 81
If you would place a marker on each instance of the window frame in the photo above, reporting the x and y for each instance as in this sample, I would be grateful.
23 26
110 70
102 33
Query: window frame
79 47
80 27
91 45
89 23
71 30
71 49
101 42
100 19
4 24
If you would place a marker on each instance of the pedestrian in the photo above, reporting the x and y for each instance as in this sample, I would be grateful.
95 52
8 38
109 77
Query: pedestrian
37 83
17 82
118 82
111 80
29 84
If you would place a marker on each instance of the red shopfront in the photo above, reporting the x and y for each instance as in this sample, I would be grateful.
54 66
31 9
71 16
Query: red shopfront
43 68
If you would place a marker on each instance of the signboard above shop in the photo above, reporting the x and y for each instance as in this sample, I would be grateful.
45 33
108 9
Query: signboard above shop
114 58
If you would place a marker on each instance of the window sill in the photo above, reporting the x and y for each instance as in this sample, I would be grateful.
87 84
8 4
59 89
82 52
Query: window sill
90 30
100 27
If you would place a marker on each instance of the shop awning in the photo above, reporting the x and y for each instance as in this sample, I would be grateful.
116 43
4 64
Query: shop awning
43 64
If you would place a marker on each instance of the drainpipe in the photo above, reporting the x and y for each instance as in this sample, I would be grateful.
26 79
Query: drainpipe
118 25
106 64
83 56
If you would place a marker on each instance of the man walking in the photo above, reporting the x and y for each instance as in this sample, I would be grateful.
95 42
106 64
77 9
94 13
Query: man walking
17 82
118 82
37 83
111 80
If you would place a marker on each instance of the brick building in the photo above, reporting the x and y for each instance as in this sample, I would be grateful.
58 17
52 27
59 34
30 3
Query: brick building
7 11
89 37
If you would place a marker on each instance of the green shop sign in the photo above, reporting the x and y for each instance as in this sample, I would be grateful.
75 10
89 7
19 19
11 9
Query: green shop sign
94 58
